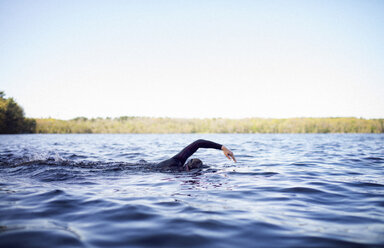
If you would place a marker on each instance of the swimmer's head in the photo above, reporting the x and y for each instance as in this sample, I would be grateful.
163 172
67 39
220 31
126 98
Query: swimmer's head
193 164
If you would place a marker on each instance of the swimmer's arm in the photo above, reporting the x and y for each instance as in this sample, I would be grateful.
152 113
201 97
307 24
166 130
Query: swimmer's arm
228 153
209 144
184 154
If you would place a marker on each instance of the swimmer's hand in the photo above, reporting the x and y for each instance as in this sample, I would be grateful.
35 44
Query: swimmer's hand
228 153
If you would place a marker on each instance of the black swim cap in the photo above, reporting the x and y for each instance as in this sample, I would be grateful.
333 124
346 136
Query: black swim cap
193 164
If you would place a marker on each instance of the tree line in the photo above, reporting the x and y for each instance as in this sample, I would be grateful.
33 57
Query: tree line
12 120
212 125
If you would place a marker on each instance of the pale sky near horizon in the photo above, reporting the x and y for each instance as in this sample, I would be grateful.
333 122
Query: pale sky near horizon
277 59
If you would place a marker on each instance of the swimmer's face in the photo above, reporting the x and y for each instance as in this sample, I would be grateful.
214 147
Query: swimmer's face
194 163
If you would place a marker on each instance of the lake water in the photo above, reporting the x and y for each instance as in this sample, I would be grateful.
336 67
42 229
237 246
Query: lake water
287 190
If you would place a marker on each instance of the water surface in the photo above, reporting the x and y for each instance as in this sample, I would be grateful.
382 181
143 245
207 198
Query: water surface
287 190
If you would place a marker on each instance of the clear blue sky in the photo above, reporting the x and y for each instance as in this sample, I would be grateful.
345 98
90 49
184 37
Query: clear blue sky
234 59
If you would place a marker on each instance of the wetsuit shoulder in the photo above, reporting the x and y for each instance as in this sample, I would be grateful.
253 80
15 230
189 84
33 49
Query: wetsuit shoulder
172 162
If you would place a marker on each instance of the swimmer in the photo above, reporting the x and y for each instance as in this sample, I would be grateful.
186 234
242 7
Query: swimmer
178 161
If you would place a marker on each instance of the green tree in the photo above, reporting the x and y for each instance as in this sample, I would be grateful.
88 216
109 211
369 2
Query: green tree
12 118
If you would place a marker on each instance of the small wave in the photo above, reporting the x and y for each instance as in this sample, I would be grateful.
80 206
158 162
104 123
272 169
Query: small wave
169 204
266 174
302 190
374 158
303 164
168 238
332 242
55 237
14 161
49 175
130 155
43 156
365 184
75 156
129 213
49 194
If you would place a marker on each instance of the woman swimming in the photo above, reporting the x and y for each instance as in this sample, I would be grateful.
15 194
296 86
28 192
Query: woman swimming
178 161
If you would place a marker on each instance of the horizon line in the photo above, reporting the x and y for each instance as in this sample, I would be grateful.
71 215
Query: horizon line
202 118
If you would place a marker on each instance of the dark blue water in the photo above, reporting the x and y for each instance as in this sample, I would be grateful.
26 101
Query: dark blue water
323 190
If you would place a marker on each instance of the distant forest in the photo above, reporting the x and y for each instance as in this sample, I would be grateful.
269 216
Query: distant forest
12 120
212 125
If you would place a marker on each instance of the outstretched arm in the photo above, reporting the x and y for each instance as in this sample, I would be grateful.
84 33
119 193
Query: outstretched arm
184 154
